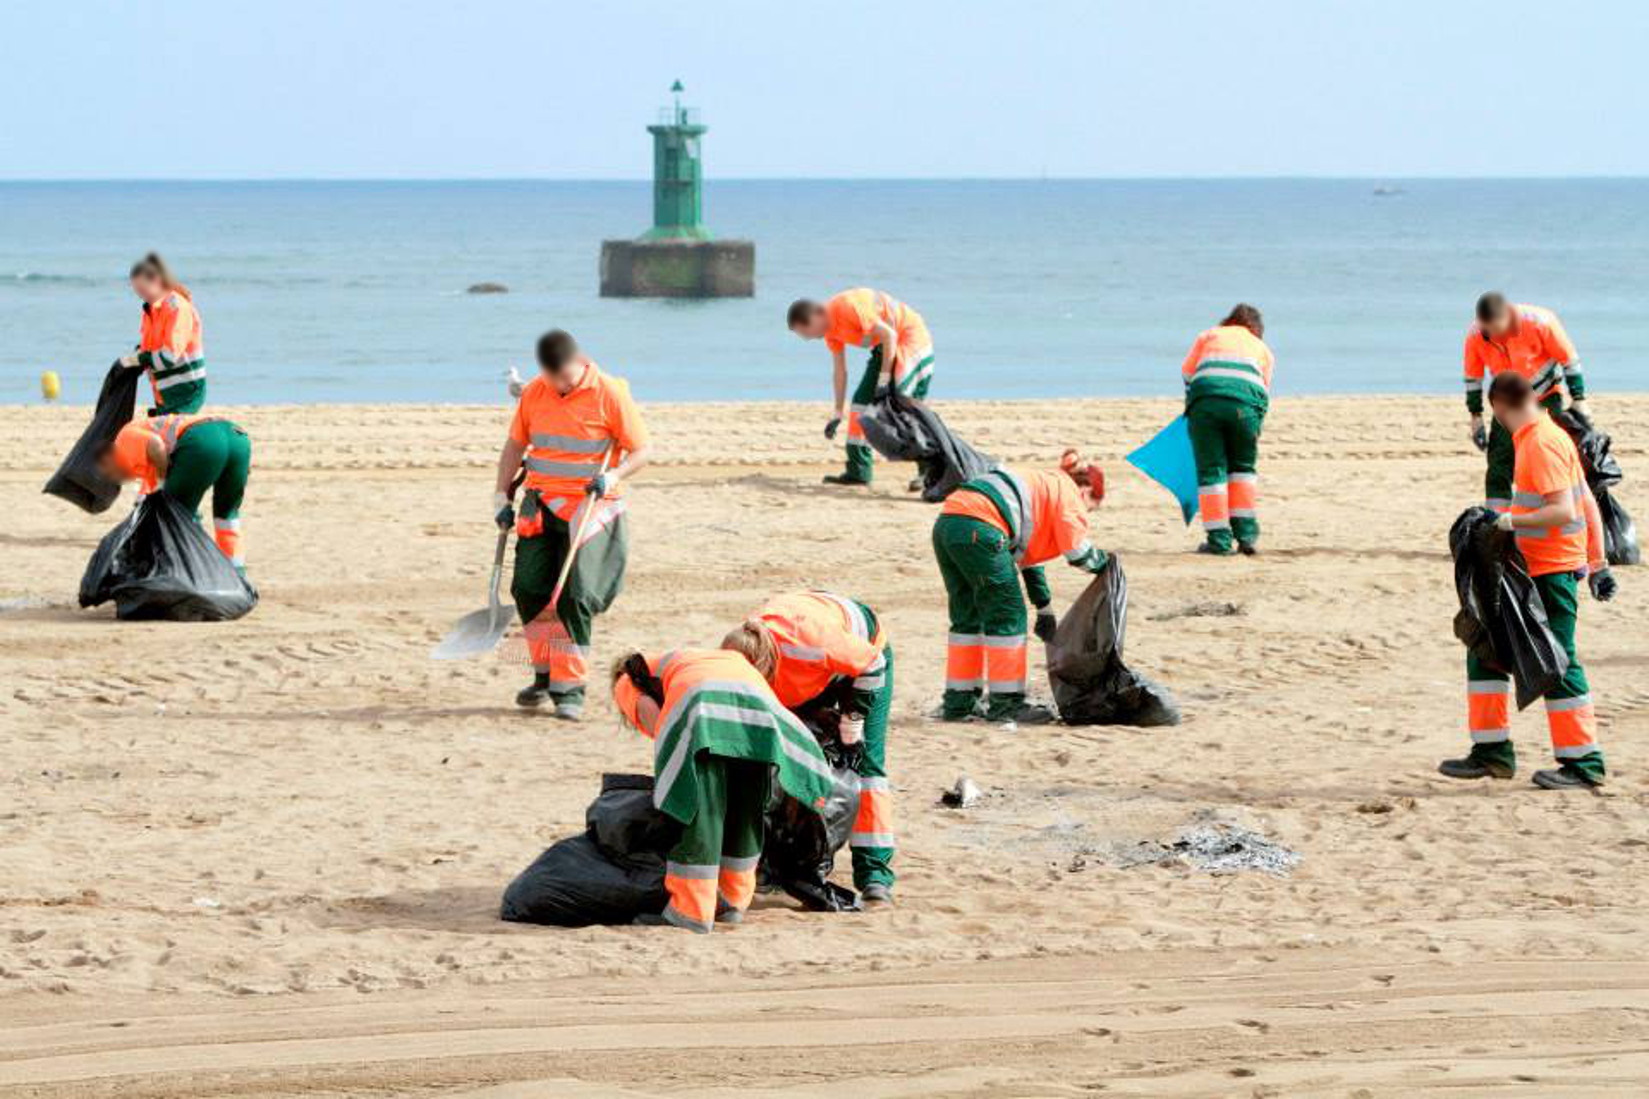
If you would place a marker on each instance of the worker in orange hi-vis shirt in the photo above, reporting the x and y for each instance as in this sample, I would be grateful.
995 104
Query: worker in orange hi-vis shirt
1557 527
169 346
817 645
901 356
1528 341
578 436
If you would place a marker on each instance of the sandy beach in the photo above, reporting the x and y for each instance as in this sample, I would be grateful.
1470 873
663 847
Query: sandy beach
264 858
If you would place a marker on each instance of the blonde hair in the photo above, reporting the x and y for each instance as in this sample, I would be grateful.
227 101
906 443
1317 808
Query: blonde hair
152 264
752 640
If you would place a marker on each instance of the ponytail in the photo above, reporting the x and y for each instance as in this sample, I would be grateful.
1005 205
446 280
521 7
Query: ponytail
151 264
752 640
1088 475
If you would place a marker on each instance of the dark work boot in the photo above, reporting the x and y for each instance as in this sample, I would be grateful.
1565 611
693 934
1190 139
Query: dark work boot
1483 761
1213 550
844 479
1565 777
1248 549
534 696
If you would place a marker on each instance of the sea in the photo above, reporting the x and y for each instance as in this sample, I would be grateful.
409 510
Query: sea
356 291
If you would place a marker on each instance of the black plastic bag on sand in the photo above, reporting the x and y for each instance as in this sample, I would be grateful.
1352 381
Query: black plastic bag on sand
1620 533
159 563
904 430
78 480
608 874
800 851
1501 618
1091 684
1597 459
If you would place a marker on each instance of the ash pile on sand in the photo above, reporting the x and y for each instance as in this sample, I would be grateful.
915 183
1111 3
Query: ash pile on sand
1216 847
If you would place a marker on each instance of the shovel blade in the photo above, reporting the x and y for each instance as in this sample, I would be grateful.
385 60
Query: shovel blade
475 634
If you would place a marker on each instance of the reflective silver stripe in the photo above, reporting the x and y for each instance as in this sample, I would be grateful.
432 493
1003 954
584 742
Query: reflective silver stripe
1573 526
178 379
1565 705
814 763
964 684
1015 642
573 443
665 662
1021 522
225 524
876 782
1490 736
1244 478
564 684
869 683
741 865
855 614
1080 552
1528 499
1474 385
870 839
1496 503
1243 513
1575 751
1007 686
1229 372
1488 686
1572 368
562 469
802 652
968 640
755 713
1216 524
1218 488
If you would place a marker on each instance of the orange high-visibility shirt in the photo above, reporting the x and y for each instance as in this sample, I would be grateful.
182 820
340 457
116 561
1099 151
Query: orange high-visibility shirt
820 637
684 671
567 436
1537 347
131 445
1059 516
1547 462
1228 360
853 315
171 344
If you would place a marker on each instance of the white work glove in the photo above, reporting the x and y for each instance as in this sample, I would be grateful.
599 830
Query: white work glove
601 484
852 729
516 382
503 511
1504 522
130 362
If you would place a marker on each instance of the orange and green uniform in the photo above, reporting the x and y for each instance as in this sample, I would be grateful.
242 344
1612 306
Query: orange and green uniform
1538 348
171 352
567 437
720 735
1227 377
1558 558
824 639
853 315
993 532
203 452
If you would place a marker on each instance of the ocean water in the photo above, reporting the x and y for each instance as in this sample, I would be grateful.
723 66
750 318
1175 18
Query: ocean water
339 291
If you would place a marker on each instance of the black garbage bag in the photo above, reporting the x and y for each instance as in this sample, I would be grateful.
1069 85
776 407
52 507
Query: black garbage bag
78 480
1603 473
801 846
1091 683
904 430
1501 618
159 563
610 873
1620 533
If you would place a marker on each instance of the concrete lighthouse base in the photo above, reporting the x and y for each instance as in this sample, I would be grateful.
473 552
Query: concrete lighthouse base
678 268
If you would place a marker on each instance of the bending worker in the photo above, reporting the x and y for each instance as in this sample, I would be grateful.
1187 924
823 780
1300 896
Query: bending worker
812 644
169 346
989 529
1558 529
579 436
718 733
184 456
901 355
1530 342
1227 377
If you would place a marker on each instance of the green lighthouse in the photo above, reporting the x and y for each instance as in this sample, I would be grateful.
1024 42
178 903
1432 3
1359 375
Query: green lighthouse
677 257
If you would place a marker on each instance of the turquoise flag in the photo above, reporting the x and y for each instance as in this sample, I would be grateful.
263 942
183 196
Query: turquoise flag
1167 460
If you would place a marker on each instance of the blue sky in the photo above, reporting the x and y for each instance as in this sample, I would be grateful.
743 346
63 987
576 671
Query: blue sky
896 88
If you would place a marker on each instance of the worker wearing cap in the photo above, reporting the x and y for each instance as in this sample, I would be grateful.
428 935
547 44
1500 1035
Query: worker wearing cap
901 357
1558 530
578 436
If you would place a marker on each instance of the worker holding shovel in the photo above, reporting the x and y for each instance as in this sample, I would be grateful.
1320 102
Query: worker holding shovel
578 436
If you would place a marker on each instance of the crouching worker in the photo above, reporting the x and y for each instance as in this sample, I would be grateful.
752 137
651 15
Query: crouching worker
1227 376
811 644
184 456
579 436
718 735
1560 533
993 531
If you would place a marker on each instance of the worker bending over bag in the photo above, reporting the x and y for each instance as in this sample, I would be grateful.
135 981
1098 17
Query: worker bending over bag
993 531
1227 376
578 435
718 734
810 644
1560 534
184 456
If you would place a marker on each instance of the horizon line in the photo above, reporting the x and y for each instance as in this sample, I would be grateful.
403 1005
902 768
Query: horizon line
1324 178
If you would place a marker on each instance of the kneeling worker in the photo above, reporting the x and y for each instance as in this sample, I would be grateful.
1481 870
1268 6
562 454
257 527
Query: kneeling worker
807 644
184 456
901 356
579 436
1558 529
718 735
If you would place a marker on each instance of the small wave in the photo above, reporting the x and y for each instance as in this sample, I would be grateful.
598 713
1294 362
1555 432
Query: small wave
41 277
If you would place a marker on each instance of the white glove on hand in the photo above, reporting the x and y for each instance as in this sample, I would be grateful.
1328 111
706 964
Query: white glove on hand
601 484
852 729
129 361
1504 522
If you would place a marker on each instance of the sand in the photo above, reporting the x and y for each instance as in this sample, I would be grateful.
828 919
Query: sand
263 858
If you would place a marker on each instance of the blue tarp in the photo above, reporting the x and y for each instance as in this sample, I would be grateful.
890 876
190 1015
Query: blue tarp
1167 460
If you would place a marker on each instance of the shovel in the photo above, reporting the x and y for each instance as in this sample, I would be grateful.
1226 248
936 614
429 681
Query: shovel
480 631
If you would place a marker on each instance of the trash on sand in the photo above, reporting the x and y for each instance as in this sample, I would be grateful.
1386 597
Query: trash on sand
1216 847
964 795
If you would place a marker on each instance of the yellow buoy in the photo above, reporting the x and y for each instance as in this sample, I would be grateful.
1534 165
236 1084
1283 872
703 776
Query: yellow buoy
50 387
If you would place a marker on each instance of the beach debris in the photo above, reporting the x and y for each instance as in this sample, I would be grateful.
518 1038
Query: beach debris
1208 608
1215 847
964 795
487 288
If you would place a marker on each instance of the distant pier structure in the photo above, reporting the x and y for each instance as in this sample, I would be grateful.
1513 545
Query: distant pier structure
678 257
